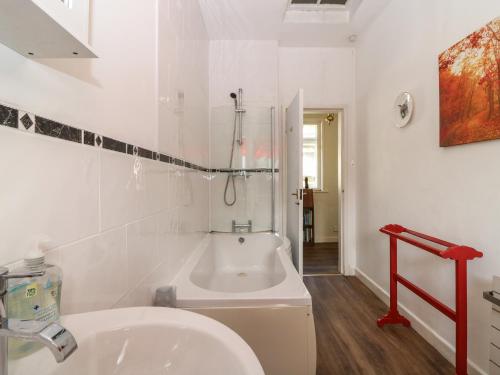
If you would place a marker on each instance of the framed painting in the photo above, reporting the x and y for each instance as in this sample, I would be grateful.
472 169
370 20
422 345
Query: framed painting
469 88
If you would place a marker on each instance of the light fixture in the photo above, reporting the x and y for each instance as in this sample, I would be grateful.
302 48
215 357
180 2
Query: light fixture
330 118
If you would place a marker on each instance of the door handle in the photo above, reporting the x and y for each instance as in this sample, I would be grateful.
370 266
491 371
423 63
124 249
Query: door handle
299 194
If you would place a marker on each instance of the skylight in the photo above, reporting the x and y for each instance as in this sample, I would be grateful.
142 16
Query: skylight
318 2
319 11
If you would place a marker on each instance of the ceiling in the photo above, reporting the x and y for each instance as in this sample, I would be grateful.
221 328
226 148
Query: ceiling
296 25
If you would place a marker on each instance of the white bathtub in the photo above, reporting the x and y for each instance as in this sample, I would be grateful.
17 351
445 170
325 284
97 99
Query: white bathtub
248 282
224 272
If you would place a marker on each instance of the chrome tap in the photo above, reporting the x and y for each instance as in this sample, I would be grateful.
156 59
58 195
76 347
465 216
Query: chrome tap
52 335
238 228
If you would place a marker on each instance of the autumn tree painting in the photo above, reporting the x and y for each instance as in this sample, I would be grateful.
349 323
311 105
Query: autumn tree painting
469 82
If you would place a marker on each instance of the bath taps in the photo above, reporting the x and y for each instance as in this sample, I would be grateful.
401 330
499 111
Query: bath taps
52 335
238 228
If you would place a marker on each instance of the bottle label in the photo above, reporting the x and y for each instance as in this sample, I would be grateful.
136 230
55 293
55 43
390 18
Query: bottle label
31 290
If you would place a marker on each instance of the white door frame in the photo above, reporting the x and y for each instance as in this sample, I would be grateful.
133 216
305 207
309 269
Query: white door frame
346 249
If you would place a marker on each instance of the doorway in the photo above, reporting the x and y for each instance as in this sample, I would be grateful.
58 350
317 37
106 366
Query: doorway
321 168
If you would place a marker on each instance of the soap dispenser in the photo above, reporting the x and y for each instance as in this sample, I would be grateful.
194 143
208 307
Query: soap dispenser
37 298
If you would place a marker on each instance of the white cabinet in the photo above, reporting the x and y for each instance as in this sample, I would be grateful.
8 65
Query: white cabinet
494 297
46 28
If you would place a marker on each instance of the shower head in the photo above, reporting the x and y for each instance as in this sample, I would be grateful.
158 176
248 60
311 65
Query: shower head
235 98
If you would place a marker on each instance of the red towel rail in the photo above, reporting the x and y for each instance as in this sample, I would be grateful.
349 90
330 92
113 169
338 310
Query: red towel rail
460 254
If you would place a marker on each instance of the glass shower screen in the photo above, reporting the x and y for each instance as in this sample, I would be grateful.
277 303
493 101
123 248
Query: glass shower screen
242 190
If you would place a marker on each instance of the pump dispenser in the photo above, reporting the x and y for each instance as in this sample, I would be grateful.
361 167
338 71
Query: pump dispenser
34 299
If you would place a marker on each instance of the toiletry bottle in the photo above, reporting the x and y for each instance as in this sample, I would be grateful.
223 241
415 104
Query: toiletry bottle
36 298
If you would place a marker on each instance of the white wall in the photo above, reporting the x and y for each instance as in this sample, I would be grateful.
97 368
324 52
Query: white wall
327 77
325 74
403 175
116 224
114 94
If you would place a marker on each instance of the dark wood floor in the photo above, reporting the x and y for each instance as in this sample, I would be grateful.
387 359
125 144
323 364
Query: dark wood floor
321 258
349 341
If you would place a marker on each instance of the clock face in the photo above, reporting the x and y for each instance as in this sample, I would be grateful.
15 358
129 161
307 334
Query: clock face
403 109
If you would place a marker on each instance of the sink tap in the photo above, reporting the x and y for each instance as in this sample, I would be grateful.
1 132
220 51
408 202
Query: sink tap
52 335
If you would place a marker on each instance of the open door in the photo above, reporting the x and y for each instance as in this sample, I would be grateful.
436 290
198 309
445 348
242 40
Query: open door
294 223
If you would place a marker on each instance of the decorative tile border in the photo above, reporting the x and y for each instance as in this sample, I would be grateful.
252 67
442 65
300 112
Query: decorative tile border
29 122
248 170
8 116
20 120
57 130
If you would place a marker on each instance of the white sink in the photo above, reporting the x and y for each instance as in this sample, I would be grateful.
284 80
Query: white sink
146 341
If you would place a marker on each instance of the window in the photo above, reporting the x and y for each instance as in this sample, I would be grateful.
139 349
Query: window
312 155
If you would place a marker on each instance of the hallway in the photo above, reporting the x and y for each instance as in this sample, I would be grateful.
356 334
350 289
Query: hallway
349 341
321 258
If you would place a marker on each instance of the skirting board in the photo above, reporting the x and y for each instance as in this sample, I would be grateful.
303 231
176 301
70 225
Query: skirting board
431 336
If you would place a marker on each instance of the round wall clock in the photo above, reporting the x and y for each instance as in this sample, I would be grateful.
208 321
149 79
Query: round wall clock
403 109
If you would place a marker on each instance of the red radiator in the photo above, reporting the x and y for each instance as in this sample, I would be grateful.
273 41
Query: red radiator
460 254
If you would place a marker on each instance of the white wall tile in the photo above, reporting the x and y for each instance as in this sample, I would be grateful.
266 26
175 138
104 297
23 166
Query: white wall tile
142 249
112 219
49 192
253 202
173 247
156 177
255 152
196 211
131 188
95 272
122 189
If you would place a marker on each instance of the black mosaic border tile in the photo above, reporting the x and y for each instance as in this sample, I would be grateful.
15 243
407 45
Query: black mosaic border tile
247 170
57 130
178 162
9 116
166 159
145 153
114 145
26 121
88 138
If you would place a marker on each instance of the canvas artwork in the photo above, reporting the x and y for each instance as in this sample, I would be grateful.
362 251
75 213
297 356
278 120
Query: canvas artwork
469 82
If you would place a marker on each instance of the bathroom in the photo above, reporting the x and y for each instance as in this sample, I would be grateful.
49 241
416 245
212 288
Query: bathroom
152 201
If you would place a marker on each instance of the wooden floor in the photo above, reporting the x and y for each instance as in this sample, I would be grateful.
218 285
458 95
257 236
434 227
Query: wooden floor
321 258
349 341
